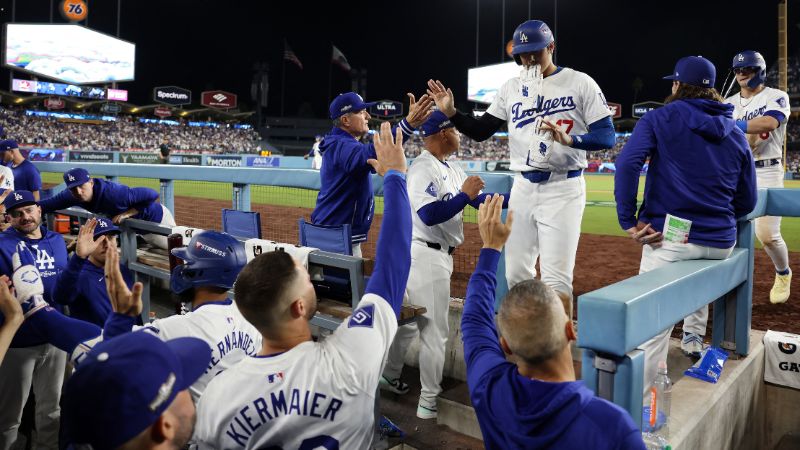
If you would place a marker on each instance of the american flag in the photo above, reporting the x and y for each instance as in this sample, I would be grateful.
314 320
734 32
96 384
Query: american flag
289 55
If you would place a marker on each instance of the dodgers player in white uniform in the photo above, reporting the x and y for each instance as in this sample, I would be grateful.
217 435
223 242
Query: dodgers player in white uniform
316 163
301 394
554 116
438 193
211 263
762 113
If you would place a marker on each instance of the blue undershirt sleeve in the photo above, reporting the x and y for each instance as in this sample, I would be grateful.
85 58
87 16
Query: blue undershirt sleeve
600 136
442 210
393 253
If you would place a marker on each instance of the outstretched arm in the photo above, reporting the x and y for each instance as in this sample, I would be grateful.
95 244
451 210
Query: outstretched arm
393 254
477 129
481 346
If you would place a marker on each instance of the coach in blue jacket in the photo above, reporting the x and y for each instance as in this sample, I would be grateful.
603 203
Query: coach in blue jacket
701 169
117 201
345 196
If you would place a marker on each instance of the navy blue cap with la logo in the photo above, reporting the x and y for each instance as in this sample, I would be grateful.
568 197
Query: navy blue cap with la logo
76 177
123 385
19 198
104 226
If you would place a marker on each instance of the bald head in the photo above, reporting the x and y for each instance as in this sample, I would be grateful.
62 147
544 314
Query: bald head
532 321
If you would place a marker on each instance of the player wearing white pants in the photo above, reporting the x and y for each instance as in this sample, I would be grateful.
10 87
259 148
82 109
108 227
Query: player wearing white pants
438 192
656 349
762 113
554 115
158 240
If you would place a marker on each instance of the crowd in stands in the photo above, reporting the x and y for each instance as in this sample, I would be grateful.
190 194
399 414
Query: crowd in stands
125 133
493 149
793 74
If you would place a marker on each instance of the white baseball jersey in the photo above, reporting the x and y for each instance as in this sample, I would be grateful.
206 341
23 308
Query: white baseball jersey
430 180
316 395
770 145
222 327
568 98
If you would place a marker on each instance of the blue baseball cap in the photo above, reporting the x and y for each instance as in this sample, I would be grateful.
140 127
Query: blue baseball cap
694 70
124 385
104 226
19 198
76 177
435 123
347 103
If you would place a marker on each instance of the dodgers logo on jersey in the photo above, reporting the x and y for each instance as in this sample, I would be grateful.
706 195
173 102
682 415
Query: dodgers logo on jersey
431 190
781 102
43 259
524 91
362 317
543 148
544 107
753 114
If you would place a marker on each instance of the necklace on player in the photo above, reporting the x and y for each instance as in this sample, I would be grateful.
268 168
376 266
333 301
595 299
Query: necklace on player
744 105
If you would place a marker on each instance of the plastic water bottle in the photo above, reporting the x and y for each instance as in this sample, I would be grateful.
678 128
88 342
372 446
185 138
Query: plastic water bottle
655 420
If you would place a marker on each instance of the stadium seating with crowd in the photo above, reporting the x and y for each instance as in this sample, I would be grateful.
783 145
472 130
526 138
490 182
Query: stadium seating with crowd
127 132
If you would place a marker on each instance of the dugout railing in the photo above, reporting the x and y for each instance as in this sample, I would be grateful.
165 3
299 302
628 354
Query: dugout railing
615 320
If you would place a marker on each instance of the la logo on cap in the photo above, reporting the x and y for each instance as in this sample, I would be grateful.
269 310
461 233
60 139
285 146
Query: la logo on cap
71 178
17 196
102 223
523 37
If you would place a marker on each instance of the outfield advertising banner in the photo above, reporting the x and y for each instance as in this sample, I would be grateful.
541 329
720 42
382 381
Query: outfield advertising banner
99 157
263 161
186 160
139 158
224 161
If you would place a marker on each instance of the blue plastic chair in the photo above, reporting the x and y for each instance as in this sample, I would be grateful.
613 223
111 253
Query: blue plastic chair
241 224
334 238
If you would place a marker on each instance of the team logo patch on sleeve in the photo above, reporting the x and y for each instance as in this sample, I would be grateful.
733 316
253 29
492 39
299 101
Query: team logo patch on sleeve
431 190
781 102
362 317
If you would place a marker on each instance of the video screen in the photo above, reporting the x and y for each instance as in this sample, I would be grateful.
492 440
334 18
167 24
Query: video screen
484 82
71 53
68 90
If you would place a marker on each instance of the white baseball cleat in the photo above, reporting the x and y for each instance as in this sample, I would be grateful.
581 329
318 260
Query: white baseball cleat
427 412
780 290
692 345
396 385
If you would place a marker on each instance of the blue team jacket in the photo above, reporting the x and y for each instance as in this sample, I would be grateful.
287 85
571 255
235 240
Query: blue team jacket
26 177
515 412
111 198
346 192
82 286
50 255
701 169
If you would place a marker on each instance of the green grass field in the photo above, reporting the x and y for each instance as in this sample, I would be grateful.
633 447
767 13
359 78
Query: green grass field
599 218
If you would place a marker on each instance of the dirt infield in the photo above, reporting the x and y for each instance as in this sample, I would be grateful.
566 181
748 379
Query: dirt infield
601 260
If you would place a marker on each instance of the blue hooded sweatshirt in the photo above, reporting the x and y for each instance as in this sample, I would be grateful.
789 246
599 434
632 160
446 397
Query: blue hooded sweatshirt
346 192
515 412
110 198
701 169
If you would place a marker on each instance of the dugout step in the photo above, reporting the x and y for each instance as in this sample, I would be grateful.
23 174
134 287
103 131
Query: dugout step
423 434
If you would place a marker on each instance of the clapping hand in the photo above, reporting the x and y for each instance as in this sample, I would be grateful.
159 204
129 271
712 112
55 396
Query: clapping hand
443 97
389 151
122 299
494 232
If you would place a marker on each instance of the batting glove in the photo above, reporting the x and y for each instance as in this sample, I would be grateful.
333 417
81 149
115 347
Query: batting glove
28 287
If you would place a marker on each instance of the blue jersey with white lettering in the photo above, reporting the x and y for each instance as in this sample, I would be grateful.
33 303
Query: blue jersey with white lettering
50 256
110 199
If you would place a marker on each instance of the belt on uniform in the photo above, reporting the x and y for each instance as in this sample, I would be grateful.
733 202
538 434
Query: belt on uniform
436 246
537 176
768 162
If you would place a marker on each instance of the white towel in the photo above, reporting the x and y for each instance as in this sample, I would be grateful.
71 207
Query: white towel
186 232
255 247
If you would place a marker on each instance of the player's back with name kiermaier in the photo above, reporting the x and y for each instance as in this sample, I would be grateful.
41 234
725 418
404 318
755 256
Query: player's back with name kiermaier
316 395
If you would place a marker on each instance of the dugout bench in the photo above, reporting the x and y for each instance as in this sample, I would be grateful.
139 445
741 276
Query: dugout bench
151 263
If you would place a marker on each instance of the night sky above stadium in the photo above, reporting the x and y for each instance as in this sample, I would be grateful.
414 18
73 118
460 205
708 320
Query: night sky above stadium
203 45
